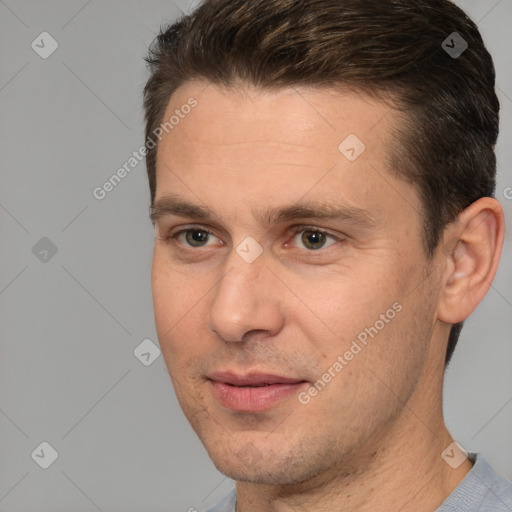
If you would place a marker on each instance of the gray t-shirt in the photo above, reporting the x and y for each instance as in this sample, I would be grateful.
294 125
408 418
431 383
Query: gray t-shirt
481 490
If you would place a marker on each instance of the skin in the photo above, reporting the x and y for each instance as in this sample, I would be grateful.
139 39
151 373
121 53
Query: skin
372 438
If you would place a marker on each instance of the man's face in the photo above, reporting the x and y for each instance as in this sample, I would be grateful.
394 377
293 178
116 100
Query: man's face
355 294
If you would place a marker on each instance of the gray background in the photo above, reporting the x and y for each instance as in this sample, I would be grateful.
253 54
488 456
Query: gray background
69 325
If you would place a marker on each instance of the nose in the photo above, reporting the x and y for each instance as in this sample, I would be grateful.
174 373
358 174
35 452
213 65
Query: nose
246 301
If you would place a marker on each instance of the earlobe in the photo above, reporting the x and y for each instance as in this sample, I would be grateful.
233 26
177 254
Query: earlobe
473 246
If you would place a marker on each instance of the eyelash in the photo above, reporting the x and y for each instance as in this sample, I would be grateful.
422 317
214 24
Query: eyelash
172 238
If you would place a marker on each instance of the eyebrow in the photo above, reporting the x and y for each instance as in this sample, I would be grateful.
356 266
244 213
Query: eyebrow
174 205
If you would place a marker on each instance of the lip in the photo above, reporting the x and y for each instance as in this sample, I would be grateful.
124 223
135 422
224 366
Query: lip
260 391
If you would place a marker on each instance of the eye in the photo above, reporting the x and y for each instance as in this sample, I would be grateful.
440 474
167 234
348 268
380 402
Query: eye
313 238
193 237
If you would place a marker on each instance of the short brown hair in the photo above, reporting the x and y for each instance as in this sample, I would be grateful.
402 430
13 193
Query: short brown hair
386 48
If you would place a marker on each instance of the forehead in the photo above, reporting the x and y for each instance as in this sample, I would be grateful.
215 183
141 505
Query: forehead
313 117
245 146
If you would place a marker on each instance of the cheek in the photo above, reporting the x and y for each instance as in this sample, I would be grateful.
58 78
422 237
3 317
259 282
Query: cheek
179 303
368 371
367 318
342 304
172 292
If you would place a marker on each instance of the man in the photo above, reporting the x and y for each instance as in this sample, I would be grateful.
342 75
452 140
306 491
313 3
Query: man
322 176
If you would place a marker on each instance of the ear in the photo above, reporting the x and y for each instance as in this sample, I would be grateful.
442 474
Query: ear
472 248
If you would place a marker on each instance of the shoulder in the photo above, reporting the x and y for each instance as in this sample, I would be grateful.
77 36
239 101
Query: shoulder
482 490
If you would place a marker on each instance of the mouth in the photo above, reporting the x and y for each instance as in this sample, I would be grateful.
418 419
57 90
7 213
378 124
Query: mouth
254 392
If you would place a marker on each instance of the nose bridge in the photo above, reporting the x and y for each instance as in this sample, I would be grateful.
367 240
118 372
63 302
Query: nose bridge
243 300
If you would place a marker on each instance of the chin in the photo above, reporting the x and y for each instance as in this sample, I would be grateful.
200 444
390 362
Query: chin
265 476
247 464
